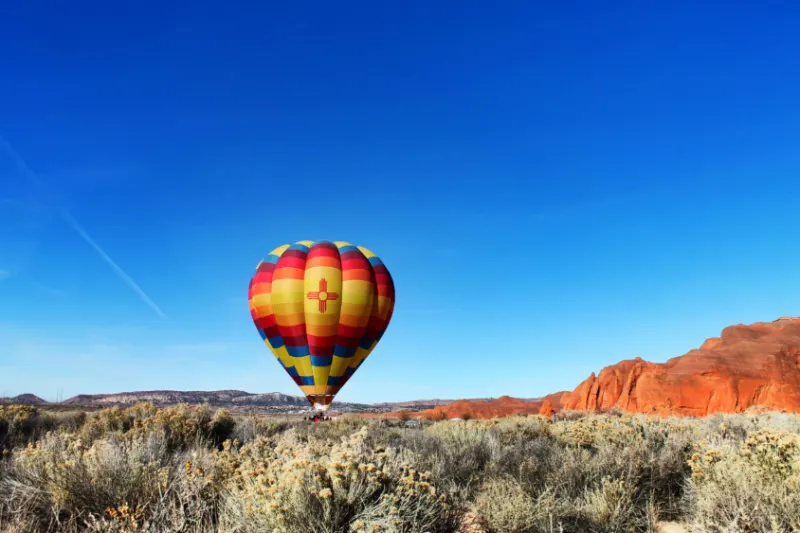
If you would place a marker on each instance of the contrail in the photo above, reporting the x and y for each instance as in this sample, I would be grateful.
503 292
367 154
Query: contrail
121 273
31 175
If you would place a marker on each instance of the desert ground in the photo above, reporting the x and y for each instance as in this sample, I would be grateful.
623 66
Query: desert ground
194 469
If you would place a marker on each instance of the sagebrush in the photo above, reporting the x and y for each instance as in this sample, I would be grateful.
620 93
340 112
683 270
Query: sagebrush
193 469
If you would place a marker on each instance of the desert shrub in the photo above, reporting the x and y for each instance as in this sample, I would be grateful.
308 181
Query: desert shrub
333 430
603 473
142 410
248 428
789 422
614 412
749 487
128 483
504 505
59 481
612 507
456 454
183 425
21 424
191 469
297 486
568 416
514 429
733 428
221 426
70 421
105 422
17 424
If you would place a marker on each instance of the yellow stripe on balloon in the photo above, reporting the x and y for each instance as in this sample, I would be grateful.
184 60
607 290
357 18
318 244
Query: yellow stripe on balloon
262 299
302 364
366 251
320 378
339 365
287 297
358 292
279 250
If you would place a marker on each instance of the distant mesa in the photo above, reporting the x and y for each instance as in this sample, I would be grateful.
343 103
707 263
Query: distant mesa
24 399
273 402
166 397
236 400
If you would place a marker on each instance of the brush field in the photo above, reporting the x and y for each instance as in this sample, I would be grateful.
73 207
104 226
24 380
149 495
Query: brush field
192 469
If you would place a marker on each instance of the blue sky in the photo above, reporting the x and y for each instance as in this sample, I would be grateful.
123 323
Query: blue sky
554 187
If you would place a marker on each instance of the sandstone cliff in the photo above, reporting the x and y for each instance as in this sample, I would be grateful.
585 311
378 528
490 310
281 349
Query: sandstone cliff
746 367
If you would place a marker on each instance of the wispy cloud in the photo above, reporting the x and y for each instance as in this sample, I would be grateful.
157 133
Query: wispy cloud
32 176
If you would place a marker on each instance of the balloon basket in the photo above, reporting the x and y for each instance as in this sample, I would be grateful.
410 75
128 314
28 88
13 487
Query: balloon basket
318 415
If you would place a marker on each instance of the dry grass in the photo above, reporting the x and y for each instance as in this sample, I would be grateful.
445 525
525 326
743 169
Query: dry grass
190 469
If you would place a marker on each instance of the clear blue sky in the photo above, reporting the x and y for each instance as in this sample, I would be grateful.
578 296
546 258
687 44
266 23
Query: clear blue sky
554 186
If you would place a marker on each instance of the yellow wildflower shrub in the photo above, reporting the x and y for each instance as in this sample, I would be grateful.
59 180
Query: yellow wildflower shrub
290 485
750 486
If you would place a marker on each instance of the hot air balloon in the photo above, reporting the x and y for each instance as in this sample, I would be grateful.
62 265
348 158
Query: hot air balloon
321 308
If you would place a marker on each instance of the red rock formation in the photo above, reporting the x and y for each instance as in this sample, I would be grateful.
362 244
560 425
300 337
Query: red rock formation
547 408
746 367
503 406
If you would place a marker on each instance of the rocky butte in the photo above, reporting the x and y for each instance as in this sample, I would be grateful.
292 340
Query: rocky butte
746 367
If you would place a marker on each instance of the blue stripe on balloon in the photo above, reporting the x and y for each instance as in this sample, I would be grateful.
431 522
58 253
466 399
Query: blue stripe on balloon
341 351
321 361
298 351
366 343
298 246
276 342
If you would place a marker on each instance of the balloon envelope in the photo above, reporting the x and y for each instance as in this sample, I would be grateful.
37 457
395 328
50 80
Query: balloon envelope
321 308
